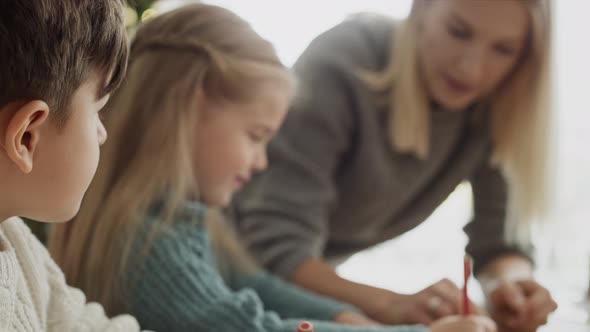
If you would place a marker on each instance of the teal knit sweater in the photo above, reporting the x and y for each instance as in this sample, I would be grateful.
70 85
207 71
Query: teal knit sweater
178 288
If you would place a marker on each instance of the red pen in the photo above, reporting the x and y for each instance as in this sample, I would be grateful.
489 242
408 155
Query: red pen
305 327
466 274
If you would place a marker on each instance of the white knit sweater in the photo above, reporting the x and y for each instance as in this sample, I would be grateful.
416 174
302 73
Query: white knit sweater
33 293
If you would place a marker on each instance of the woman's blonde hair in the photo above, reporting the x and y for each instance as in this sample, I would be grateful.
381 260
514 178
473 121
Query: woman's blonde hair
520 111
197 50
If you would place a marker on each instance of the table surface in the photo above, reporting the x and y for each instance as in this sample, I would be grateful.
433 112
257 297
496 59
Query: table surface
565 326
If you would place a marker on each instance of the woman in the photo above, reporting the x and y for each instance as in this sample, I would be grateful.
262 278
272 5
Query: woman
389 119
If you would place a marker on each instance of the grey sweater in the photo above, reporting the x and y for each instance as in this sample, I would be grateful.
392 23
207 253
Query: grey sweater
335 186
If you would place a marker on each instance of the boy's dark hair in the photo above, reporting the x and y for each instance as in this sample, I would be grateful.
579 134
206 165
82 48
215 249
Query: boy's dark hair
48 48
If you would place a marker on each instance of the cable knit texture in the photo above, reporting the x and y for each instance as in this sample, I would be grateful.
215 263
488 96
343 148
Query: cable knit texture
180 289
33 292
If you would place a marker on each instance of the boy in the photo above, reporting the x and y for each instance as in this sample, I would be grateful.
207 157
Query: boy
60 60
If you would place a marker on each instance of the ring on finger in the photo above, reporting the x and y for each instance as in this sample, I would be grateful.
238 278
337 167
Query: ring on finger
433 303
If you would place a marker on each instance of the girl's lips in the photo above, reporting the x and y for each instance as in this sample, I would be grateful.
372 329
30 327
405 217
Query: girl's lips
457 87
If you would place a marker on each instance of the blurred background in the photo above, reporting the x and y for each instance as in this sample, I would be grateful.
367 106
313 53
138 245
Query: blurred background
435 249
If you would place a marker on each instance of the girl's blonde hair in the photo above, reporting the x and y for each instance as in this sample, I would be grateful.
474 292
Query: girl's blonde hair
520 111
197 50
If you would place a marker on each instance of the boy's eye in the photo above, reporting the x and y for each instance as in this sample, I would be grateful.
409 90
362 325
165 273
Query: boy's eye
256 138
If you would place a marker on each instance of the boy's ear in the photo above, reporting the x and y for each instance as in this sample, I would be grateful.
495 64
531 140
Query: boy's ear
23 133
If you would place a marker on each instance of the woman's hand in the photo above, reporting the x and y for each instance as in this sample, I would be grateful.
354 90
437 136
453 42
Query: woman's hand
353 318
515 301
436 301
521 305
472 323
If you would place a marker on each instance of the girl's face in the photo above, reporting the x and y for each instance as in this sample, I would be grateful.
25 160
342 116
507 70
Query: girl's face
466 48
231 140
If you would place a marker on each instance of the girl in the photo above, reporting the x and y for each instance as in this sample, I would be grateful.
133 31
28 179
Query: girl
203 96
390 118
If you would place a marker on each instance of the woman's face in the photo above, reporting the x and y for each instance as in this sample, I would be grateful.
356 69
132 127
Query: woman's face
466 48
